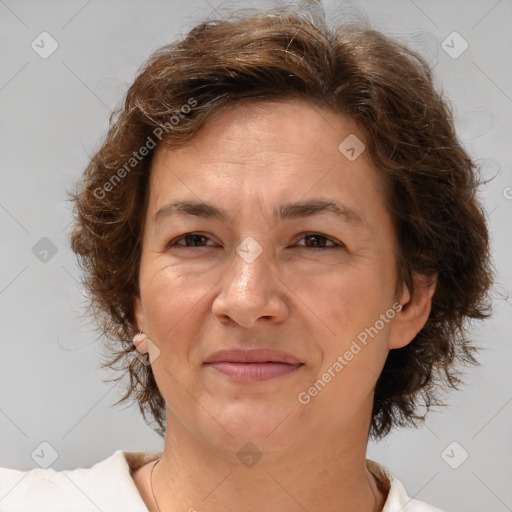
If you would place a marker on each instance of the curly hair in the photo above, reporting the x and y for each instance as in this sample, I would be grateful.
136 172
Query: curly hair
388 90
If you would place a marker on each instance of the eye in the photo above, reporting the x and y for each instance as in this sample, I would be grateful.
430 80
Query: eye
191 240
318 240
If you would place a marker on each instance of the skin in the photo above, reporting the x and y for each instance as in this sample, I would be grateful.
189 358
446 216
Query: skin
309 302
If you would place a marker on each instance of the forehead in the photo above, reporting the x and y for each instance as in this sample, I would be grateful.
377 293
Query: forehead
267 154
251 131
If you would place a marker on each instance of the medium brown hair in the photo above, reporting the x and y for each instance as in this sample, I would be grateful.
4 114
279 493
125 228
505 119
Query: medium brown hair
387 89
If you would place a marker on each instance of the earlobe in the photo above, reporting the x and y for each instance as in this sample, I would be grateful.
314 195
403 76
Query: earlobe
415 311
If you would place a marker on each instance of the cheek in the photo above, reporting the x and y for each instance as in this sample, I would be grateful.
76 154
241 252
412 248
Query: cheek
350 305
345 299
172 302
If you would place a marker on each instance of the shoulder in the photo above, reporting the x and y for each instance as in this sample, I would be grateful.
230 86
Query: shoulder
397 498
107 485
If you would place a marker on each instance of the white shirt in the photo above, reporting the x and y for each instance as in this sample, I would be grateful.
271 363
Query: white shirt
108 486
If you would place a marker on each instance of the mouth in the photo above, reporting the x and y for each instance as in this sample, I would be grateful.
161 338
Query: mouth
253 365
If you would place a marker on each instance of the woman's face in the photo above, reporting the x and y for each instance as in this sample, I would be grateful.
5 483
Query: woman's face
257 272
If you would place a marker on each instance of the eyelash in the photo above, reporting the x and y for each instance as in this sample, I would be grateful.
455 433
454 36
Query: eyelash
303 235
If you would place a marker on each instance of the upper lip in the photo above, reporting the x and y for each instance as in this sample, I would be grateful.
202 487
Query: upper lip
261 355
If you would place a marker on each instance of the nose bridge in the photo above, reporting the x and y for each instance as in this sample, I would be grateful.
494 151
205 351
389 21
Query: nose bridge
249 289
252 253
249 271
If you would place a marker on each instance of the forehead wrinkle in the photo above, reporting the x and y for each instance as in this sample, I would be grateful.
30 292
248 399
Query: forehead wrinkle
301 209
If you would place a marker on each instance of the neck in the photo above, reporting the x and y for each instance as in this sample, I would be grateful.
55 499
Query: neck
326 473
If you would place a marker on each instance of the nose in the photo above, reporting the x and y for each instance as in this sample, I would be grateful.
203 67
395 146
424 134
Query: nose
250 290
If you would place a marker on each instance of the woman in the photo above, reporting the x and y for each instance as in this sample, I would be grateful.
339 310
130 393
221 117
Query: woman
281 233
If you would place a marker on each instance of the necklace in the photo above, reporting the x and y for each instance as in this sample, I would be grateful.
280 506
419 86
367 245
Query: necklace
158 508
151 483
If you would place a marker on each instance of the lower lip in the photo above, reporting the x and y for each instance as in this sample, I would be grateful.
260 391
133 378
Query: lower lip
254 372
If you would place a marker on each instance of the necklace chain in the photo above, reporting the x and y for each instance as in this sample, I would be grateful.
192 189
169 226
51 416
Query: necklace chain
151 483
158 508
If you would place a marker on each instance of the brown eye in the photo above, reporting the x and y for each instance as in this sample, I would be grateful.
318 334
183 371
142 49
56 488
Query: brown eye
318 241
191 240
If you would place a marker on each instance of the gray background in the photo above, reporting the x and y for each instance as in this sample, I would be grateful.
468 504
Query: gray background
53 114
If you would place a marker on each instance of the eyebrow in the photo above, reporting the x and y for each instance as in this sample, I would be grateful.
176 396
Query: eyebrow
296 210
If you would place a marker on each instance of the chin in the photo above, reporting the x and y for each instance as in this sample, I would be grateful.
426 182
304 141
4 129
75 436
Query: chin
268 426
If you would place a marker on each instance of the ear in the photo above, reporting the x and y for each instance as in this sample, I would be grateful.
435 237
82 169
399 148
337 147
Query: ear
140 325
414 312
138 310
